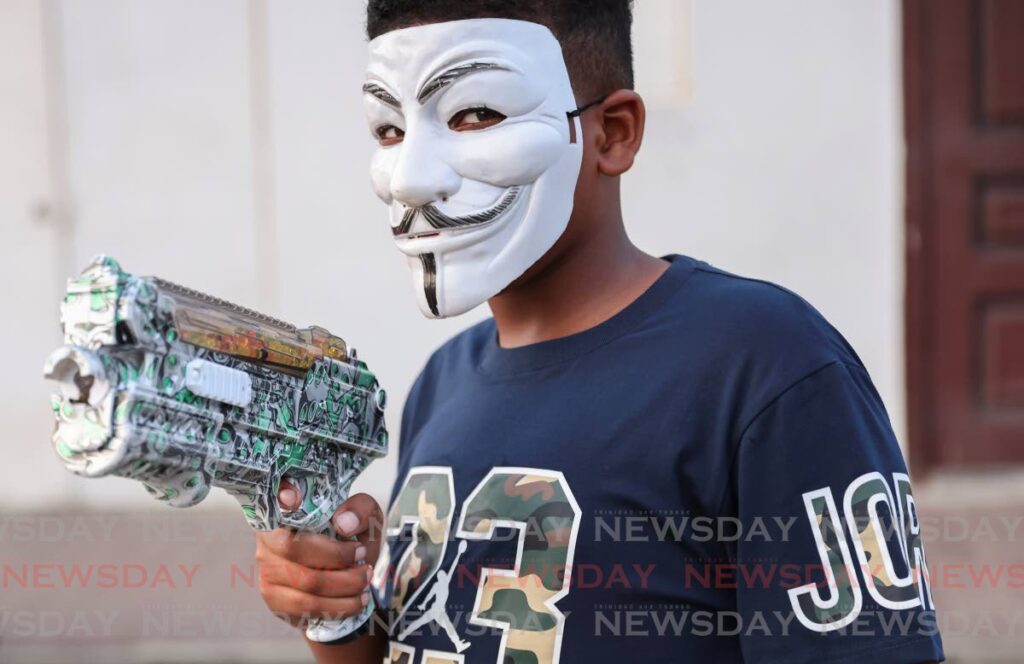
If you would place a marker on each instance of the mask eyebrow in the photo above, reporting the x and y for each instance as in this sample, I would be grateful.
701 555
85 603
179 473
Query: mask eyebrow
380 93
449 76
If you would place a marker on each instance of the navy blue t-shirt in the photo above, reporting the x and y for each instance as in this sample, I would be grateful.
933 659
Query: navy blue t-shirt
708 476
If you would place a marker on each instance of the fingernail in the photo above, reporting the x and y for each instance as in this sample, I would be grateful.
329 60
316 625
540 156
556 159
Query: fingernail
360 553
366 598
369 574
288 497
346 522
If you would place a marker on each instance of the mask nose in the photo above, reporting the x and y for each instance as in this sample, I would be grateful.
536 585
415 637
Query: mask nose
421 174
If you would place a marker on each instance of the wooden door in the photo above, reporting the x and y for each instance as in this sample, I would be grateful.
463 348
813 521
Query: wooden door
964 106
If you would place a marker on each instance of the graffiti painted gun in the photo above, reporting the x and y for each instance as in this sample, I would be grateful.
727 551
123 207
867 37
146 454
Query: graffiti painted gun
182 391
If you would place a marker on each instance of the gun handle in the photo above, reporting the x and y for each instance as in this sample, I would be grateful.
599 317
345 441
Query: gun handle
339 631
331 631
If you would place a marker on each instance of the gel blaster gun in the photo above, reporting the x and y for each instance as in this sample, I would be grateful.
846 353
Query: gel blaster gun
182 391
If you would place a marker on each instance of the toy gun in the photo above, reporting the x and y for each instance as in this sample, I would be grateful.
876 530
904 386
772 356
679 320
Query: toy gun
182 391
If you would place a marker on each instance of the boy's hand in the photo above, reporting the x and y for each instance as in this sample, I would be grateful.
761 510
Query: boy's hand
303 575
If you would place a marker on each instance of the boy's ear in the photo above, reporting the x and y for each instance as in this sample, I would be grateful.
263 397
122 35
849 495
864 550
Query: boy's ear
615 129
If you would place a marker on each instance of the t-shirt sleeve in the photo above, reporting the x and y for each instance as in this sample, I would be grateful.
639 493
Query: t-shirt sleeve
831 566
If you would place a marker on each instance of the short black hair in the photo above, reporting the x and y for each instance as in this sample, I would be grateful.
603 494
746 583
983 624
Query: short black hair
594 34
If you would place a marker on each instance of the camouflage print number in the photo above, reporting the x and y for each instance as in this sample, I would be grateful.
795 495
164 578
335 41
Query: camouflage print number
426 501
521 601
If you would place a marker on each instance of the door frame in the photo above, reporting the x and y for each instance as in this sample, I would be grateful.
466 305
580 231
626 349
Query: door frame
922 441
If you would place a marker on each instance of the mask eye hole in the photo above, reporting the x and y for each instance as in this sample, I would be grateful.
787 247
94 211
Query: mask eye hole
474 119
389 134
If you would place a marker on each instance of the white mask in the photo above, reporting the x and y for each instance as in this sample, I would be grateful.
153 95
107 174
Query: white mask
474 209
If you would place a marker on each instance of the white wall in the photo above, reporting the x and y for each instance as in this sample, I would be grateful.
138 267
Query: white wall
221 145
32 246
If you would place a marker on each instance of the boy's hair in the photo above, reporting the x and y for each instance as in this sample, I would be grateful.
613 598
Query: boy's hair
594 34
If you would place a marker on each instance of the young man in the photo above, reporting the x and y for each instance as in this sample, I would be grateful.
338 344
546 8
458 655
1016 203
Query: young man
637 459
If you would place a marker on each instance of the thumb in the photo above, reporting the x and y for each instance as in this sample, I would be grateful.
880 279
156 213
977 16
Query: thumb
288 496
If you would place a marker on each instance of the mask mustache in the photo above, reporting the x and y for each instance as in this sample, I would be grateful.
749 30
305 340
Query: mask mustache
438 220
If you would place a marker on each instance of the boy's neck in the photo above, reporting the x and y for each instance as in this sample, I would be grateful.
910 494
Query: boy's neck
576 287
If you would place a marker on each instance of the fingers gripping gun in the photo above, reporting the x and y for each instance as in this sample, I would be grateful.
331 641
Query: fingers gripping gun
182 391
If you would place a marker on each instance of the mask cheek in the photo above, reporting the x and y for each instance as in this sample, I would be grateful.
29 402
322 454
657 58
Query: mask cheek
382 165
514 153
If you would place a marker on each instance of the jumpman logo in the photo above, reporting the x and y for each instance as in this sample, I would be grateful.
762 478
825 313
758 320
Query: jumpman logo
437 611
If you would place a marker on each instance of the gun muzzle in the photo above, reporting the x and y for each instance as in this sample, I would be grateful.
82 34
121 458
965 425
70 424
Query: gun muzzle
79 375
83 408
